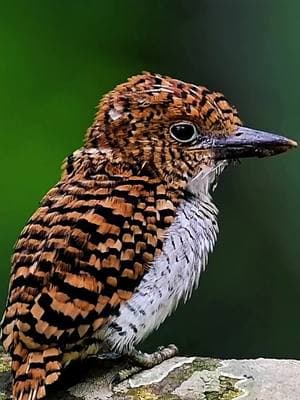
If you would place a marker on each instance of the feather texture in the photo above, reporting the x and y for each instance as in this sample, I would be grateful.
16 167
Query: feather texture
122 237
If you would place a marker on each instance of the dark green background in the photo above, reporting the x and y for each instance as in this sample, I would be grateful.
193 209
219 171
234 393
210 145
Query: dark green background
58 57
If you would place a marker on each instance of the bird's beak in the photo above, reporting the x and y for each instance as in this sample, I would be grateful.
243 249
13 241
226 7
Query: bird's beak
250 143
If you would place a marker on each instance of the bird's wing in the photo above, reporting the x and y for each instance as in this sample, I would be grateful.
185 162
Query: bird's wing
82 253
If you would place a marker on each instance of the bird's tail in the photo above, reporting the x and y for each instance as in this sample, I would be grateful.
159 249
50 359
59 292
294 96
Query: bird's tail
33 371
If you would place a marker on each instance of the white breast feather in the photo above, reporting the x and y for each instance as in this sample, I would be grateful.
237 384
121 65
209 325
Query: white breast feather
173 275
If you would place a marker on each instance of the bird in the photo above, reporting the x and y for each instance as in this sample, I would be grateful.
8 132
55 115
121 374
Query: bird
124 235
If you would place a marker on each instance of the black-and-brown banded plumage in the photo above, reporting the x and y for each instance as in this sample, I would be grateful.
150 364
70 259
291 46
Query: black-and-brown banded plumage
97 231
125 234
82 253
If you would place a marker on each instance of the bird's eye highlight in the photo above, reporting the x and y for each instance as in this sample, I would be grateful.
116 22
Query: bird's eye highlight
184 132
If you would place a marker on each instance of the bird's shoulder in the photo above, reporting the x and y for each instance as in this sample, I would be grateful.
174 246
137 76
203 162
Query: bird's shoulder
83 253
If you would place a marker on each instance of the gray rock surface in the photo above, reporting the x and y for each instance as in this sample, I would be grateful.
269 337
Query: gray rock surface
181 378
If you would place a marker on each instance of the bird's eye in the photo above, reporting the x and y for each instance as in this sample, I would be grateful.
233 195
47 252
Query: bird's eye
184 132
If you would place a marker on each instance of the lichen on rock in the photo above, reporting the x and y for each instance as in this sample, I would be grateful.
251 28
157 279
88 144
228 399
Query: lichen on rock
180 378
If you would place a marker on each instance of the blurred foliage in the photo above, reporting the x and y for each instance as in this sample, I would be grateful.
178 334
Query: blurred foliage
58 57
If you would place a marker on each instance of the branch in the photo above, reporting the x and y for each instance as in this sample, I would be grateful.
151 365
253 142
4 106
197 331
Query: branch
181 378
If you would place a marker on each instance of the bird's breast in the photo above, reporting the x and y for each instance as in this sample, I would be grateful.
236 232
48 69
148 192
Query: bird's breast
171 277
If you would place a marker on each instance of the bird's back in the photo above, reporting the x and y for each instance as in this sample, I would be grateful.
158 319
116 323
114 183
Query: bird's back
79 257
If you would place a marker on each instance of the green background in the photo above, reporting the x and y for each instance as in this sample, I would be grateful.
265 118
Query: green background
58 57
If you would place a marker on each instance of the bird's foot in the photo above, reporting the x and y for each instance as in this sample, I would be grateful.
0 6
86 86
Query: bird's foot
144 361
125 374
107 356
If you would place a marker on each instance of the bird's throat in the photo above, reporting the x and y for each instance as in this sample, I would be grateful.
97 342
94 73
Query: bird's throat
206 180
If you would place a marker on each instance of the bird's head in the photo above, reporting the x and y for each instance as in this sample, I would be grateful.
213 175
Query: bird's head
180 131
